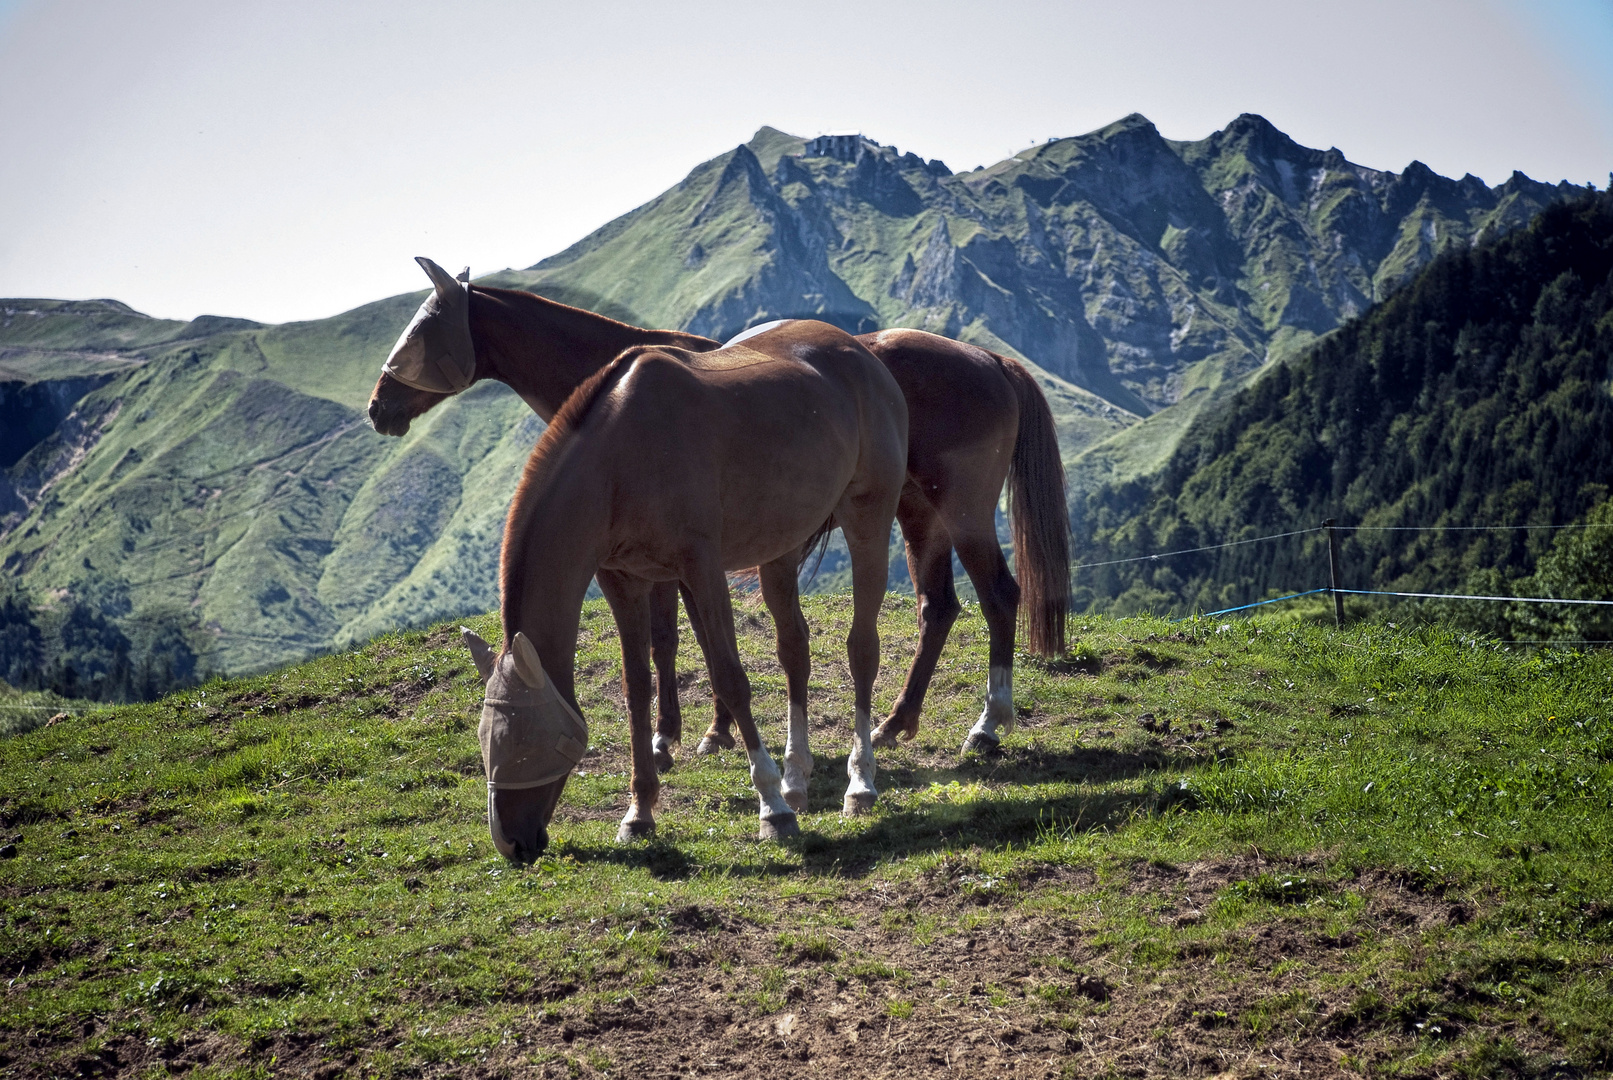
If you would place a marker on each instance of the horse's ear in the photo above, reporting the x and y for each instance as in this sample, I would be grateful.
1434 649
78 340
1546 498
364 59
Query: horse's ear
527 665
464 276
439 277
480 651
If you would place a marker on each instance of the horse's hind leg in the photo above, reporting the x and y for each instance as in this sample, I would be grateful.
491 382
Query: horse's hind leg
929 561
870 565
999 603
664 650
781 591
719 735
629 599
709 585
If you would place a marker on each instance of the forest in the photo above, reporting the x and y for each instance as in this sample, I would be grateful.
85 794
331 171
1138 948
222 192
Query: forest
1449 430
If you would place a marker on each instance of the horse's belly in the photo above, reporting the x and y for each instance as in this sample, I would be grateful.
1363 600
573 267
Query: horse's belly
766 521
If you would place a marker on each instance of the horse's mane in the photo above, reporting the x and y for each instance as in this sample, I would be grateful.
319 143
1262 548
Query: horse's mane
570 320
540 467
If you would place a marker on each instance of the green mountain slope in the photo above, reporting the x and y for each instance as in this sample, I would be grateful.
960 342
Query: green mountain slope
209 497
224 506
1147 273
54 339
1476 396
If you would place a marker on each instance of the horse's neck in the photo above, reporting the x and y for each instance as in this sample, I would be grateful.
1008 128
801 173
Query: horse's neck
544 350
560 536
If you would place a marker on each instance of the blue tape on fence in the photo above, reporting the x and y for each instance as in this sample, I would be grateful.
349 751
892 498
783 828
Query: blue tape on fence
1258 603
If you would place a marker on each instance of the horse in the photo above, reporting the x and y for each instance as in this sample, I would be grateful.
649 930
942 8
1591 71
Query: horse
976 420
672 465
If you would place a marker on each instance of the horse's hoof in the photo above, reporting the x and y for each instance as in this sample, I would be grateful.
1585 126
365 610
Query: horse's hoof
797 800
858 803
980 742
635 830
778 827
663 760
885 738
713 741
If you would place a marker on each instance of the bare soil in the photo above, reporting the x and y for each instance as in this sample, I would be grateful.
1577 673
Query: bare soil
953 973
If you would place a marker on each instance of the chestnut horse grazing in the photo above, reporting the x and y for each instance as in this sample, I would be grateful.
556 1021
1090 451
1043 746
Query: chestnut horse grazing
670 465
976 420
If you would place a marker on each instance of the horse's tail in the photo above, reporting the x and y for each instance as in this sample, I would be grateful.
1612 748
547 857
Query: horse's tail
1038 518
817 545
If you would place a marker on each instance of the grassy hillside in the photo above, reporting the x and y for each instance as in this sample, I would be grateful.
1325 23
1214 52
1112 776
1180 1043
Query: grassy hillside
1476 396
1256 847
222 505
58 339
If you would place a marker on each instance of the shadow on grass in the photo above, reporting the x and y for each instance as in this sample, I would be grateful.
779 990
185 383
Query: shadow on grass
1029 765
663 860
989 823
1006 818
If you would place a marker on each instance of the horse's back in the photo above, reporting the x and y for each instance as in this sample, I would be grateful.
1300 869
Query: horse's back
766 438
803 370
960 402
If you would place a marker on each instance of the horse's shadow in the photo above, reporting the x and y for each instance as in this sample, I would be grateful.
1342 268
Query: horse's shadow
1004 818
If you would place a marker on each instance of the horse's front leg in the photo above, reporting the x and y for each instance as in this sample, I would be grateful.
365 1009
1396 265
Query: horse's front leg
705 580
781 591
629 599
718 736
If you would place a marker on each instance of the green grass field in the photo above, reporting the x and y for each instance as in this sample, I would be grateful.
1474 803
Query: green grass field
1212 849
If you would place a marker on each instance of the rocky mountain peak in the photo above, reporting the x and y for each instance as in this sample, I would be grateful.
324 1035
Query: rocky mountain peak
1132 122
850 147
1117 259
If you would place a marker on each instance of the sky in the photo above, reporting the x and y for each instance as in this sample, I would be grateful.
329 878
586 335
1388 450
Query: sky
285 161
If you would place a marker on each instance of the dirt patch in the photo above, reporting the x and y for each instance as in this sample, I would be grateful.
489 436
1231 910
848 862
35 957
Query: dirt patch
1019 994
922 978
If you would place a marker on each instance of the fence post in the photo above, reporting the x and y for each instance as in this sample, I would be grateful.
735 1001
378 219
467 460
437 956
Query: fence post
1333 571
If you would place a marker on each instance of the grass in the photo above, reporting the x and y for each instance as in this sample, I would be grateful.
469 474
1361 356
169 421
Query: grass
24 710
1211 848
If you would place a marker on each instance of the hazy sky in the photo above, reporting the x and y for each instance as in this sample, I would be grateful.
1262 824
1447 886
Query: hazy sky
285 161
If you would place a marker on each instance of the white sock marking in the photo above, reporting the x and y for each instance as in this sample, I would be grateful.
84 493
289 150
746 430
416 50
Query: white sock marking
764 776
860 763
797 757
661 744
997 718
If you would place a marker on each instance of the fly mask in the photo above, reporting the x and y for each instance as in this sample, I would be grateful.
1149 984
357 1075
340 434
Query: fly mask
530 735
435 353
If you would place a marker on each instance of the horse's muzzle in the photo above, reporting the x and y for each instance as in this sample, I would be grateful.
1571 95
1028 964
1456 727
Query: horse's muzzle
518 820
387 421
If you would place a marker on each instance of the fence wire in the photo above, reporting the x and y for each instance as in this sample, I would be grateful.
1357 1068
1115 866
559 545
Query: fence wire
1189 551
1376 592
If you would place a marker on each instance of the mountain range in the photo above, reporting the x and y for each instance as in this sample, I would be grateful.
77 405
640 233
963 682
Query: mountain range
208 496
1459 431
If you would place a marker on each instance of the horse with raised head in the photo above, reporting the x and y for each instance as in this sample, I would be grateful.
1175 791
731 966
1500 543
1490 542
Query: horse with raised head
670 465
976 421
